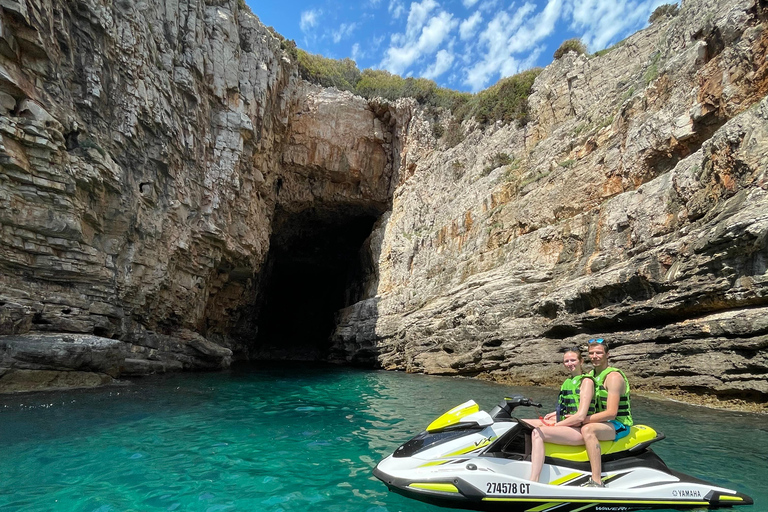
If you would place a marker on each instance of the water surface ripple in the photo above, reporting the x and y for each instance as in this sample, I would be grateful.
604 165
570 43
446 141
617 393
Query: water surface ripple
282 438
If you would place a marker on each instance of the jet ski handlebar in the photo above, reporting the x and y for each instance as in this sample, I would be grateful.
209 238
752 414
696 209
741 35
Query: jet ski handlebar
505 408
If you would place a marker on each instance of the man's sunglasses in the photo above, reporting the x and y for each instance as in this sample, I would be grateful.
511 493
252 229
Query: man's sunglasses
596 340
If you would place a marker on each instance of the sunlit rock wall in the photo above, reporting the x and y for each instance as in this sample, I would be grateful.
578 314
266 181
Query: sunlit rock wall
633 206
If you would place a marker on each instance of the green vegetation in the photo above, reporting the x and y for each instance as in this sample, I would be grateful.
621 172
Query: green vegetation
505 101
628 94
457 168
608 121
342 74
664 11
243 6
497 160
437 130
513 171
581 128
588 127
454 133
89 143
570 45
533 178
609 49
653 70
567 163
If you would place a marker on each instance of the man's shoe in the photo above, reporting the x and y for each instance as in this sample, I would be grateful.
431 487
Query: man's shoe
592 483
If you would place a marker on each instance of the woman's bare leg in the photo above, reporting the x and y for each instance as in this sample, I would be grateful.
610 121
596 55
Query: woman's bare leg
560 435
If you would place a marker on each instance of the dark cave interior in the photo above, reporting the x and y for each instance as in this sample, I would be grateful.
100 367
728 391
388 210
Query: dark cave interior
315 267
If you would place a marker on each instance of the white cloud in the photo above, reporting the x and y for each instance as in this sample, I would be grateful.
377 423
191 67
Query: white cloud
491 6
396 8
468 27
356 53
538 28
494 46
601 21
443 61
423 36
417 17
469 3
309 19
344 30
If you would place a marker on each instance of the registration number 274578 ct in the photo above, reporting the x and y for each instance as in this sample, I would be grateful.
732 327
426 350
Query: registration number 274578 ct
507 488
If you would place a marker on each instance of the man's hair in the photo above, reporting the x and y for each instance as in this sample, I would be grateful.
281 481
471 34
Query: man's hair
603 344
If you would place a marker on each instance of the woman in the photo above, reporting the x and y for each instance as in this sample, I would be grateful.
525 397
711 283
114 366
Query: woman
575 402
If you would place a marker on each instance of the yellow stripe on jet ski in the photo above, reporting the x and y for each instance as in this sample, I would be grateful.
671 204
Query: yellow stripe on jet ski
435 463
730 498
585 507
435 487
472 448
565 479
544 507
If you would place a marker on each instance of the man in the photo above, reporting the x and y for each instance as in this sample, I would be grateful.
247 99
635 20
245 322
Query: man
613 416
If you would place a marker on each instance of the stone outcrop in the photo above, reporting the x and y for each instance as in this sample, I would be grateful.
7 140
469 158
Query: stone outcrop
159 162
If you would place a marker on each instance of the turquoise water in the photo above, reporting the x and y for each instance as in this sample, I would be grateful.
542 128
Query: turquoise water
280 438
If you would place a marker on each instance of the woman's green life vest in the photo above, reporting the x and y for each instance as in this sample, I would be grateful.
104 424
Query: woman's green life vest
624 414
568 400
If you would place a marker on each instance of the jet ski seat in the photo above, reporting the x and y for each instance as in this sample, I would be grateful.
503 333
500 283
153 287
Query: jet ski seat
640 436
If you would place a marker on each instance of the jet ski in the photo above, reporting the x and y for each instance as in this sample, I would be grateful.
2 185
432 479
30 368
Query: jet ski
478 460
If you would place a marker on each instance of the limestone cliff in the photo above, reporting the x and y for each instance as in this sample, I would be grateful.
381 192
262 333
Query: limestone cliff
146 148
632 206
161 162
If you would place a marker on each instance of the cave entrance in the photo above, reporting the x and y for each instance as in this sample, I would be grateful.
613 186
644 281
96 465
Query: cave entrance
314 268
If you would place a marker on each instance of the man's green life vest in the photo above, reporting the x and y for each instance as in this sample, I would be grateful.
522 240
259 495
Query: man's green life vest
624 414
568 400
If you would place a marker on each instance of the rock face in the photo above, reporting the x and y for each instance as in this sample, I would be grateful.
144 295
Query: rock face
161 162
634 208
145 148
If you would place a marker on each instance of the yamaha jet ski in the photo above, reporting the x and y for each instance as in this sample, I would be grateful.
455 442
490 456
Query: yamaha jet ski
478 460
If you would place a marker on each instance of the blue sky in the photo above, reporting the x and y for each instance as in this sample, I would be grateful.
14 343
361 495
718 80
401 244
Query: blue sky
465 45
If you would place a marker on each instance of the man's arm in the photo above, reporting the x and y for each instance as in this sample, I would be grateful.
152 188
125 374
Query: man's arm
615 384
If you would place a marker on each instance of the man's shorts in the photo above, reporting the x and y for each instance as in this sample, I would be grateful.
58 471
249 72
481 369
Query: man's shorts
621 429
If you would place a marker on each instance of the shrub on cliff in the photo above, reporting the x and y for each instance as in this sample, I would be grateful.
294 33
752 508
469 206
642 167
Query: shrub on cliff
342 74
663 11
505 101
570 45
377 82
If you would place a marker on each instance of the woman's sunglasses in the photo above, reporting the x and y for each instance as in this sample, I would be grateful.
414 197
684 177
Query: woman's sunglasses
596 340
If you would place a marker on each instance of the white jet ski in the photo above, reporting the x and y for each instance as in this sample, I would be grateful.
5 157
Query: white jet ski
476 460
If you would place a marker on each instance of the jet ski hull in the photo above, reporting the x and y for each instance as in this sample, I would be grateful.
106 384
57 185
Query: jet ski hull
489 490
474 460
